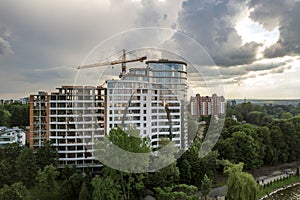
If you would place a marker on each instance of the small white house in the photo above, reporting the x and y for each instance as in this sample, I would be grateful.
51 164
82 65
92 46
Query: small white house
12 135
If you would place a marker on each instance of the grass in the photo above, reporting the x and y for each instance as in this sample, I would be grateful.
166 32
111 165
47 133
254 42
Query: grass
276 185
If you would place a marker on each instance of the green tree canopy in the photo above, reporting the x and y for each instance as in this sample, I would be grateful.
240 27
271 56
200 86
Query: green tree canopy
205 186
106 189
16 191
181 191
46 178
255 117
241 185
26 167
131 184
4 117
46 155
71 187
84 193
242 148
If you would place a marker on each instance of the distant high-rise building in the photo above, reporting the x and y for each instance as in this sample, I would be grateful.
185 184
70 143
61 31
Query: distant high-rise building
205 105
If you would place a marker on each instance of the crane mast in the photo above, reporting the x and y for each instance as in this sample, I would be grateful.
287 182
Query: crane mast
122 62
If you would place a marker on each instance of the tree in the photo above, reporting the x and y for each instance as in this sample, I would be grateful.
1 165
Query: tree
192 129
242 147
167 173
245 108
19 114
286 115
255 117
4 117
26 167
185 171
195 167
167 176
129 140
284 140
106 189
241 185
296 122
8 157
263 135
67 171
16 191
266 120
182 191
47 179
71 186
84 193
47 187
205 186
46 155
5 176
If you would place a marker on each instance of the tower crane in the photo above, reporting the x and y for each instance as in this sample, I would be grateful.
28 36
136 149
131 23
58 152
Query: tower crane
122 62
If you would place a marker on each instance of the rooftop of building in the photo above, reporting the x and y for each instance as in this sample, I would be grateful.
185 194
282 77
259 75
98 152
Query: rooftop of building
166 61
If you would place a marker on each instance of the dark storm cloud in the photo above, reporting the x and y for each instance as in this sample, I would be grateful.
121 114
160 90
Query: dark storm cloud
212 24
285 15
242 72
266 66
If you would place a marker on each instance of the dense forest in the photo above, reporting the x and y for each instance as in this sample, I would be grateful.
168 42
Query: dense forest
262 135
255 137
15 114
29 174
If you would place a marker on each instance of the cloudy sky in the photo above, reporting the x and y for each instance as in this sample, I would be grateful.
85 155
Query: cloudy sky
254 43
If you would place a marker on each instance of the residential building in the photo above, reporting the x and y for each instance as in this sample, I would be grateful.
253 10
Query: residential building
12 135
39 119
72 119
24 100
151 99
205 105
6 101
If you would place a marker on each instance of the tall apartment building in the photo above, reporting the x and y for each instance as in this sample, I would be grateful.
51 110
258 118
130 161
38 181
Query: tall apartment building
205 105
72 119
39 119
152 100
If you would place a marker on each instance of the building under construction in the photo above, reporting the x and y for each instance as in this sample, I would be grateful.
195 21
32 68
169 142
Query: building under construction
72 119
150 98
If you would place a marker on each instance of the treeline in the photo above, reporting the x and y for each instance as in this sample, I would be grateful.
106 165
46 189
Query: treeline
265 135
272 139
261 115
15 114
26 174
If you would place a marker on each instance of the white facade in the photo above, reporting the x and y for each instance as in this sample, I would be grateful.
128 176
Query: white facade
12 135
150 99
